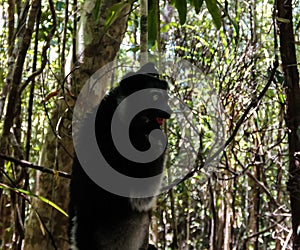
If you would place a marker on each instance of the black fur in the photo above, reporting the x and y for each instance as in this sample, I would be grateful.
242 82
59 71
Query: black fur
102 220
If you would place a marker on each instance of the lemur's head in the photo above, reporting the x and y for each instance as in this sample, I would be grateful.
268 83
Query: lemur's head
147 79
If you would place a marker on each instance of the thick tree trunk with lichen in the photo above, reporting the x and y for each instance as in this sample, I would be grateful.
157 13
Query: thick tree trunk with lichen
97 45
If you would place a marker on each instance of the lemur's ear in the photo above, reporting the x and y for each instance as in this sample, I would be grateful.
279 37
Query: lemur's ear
146 77
149 69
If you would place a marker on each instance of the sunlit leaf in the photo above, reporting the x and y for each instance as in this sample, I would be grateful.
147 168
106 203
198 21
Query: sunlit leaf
282 20
18 190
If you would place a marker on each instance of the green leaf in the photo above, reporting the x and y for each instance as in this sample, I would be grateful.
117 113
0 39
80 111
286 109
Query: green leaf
214 11
115 11
18 190
134 49
96 10
197 4
282 20
298 132
58 5
152 22
2 76
281 98
181 6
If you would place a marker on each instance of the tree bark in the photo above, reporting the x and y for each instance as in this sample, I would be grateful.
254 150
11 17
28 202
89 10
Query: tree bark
144 31
289 64
46 227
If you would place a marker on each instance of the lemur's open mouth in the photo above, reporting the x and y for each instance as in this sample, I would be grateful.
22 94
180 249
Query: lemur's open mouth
160 121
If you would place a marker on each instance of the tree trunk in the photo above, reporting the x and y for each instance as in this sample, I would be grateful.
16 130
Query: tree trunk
289 64
46 227
144 31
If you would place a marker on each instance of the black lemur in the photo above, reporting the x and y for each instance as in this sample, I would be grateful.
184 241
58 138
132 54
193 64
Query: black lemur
100 219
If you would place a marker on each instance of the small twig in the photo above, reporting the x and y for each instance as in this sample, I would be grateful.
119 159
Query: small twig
26 164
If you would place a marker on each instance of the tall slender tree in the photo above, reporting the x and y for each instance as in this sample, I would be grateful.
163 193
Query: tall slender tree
291 74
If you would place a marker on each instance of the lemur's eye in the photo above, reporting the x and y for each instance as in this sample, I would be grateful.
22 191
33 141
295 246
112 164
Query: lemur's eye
155 97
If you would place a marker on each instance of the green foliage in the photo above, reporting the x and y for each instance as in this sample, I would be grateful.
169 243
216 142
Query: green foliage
115 10
212 6
152 22
59 5
96 10
214 11
181 6
197 4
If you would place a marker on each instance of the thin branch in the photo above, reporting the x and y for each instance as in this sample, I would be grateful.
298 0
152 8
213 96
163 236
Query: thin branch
26 164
